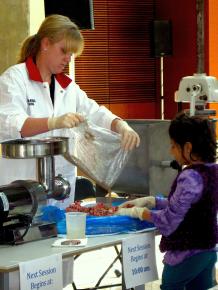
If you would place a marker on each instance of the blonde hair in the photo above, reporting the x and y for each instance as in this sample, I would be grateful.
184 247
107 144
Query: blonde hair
55 28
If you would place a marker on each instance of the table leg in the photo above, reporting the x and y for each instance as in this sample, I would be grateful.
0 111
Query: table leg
141 287
4 281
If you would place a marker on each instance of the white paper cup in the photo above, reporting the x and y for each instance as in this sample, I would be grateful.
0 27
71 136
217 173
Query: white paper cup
76 225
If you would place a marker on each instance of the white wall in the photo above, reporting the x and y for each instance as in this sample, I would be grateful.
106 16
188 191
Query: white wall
37 15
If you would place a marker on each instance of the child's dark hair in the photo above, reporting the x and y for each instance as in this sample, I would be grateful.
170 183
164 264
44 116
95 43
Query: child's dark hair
200 132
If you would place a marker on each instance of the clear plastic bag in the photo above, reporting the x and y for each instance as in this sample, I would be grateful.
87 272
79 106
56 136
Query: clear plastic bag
97 152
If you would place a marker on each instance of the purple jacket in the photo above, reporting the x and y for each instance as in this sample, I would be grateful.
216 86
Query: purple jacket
170 213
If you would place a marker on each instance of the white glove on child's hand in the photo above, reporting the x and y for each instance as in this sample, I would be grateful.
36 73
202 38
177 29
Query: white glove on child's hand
148 201
135 212
68 120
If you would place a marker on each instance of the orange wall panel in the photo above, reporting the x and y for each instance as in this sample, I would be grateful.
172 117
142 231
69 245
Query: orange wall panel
213 37
134 110
212 44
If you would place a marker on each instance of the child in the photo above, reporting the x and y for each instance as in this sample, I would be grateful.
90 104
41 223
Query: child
187 218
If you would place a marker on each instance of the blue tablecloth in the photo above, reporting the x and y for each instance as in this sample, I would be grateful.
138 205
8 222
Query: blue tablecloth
97 225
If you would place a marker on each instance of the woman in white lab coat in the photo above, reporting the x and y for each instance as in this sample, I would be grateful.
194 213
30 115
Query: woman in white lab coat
38 100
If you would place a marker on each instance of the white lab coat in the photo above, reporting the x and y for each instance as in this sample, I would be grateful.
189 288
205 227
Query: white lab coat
23 95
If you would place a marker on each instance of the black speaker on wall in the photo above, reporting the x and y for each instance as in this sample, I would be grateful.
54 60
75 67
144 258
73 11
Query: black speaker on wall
161 38
79 11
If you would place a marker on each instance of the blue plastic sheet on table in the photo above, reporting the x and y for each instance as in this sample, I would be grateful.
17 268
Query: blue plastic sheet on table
117 202
52 213
100 225
109 225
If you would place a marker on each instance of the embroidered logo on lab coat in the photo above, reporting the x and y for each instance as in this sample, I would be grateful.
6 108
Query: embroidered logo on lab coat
31 102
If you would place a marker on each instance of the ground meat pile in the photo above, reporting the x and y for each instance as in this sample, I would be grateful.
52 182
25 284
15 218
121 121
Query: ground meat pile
99 209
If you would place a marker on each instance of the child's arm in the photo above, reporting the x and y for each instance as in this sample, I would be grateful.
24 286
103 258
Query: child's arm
188 191
161 202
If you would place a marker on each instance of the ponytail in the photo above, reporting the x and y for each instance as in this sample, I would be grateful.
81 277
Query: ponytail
30 47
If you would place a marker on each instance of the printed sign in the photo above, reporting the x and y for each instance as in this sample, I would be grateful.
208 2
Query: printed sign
42 274
139 262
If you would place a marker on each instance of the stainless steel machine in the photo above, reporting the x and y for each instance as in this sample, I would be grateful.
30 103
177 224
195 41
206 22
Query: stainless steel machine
198 90
21 201
150 168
